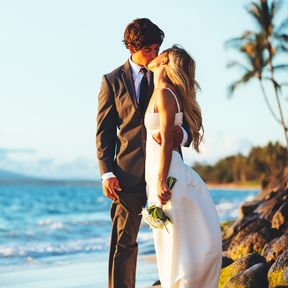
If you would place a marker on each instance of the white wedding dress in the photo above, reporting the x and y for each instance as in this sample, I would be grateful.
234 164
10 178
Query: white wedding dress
189 255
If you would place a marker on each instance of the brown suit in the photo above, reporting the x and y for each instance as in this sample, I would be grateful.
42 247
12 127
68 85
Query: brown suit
123 153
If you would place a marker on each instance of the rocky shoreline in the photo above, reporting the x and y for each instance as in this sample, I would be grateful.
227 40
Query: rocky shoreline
255 246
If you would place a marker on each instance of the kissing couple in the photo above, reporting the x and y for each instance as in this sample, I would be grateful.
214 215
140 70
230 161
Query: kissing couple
147 110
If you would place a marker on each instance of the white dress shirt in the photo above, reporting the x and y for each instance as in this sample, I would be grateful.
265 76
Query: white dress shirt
137 77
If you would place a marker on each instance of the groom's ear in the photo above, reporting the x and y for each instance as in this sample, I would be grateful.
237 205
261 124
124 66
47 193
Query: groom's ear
131 49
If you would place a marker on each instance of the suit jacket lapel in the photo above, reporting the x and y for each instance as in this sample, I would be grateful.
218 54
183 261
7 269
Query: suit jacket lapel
129 83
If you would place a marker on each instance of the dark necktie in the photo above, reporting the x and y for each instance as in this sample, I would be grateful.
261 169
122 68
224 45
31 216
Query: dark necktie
143 89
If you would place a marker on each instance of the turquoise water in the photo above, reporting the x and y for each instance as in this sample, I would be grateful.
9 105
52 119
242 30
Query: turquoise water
44 224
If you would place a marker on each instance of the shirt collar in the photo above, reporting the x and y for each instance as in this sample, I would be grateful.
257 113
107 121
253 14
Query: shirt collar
135 68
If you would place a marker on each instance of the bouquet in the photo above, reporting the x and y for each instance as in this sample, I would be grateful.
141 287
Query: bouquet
154 215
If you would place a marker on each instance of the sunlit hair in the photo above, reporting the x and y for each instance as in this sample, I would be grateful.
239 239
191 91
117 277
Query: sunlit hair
180 72
142 32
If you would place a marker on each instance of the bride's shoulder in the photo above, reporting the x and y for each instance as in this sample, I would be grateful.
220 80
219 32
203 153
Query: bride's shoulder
165 92
165 97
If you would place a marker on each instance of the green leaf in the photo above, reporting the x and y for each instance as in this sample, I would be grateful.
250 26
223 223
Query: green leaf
160 214
171 182
154 214
151 208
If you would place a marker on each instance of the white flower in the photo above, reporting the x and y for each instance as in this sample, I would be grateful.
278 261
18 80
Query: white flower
154 215
150 220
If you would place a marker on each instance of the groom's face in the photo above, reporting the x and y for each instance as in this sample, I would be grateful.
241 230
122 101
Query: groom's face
145 55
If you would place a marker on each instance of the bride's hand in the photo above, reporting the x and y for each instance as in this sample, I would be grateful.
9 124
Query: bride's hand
164 194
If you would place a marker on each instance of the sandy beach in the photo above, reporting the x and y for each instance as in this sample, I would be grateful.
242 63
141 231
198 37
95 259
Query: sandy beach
237 186
88 272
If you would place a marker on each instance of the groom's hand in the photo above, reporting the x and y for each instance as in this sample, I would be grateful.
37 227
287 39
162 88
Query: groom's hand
177 137
111 188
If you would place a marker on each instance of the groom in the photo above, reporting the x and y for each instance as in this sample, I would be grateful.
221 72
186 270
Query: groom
120 140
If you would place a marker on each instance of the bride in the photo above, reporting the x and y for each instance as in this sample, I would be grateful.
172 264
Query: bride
189 254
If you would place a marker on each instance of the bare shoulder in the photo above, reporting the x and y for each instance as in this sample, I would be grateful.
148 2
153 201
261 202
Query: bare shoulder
166 101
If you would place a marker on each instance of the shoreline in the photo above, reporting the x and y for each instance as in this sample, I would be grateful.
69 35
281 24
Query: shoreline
246 186
80 272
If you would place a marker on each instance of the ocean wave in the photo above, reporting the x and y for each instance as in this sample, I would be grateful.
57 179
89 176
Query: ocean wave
145 236
50 223
70 221
43 249
228 210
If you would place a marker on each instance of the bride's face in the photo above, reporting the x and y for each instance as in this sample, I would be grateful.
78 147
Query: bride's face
158 62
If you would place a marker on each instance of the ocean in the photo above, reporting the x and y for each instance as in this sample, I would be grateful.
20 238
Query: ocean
44 225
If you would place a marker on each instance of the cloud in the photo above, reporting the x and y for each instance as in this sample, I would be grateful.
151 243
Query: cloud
28 162
215 147
6 152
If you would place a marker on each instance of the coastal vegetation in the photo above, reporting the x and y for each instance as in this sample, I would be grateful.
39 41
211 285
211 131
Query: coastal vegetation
259 166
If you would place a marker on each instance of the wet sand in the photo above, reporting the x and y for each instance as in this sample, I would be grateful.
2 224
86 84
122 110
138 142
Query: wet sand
88 272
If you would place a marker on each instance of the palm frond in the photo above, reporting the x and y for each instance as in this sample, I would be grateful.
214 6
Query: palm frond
254 11
281 48
280 67
283 84
276 85
244 79
267 14
283 38
274 82
277 6
237 64
282 27
237 42
232 87
233 43
248 76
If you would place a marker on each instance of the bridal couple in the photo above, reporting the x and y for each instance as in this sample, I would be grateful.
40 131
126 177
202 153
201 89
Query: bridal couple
147 109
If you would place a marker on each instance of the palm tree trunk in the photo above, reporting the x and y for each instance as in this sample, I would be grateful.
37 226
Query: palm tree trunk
267 102
278 102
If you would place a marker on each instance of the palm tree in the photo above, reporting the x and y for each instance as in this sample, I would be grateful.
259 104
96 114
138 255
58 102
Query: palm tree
253 52
262 47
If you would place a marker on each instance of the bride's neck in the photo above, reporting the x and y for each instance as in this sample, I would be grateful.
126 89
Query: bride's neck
159 80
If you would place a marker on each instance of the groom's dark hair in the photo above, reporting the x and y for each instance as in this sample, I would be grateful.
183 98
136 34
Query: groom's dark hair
142 32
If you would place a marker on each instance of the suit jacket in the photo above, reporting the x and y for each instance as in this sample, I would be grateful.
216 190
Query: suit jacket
121 134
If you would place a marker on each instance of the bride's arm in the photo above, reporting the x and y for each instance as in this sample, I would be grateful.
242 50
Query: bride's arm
167 109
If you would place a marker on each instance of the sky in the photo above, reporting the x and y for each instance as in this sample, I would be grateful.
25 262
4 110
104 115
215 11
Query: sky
54 53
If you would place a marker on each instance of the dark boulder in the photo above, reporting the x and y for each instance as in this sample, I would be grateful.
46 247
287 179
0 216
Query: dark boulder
280 218
253 242
267 209
226 261
238 266
253 277
275 248
242 228
248 207
278 273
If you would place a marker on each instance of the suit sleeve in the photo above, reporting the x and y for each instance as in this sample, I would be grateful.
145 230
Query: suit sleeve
106 127
186 128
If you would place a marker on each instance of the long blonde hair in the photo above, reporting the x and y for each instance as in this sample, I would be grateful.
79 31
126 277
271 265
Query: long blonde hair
180 72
